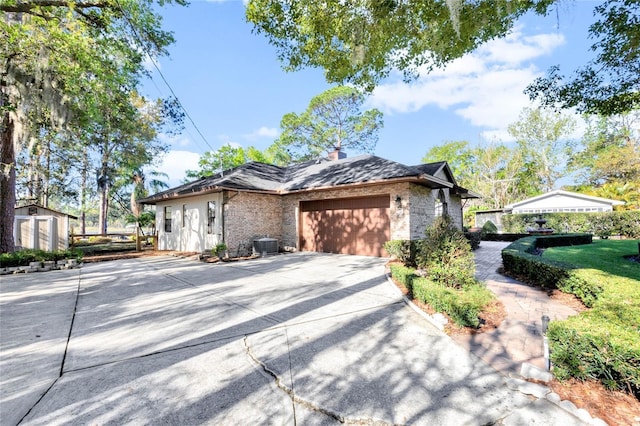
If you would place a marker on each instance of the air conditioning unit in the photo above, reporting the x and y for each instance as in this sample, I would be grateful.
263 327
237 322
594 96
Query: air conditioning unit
265 246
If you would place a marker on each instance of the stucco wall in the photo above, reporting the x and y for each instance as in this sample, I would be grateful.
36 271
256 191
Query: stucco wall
248 216
189 231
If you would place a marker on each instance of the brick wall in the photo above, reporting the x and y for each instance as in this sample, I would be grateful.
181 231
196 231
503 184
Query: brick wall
455 209
423 211
248 216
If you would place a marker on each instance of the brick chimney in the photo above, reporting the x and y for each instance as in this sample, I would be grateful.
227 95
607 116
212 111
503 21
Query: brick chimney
337 154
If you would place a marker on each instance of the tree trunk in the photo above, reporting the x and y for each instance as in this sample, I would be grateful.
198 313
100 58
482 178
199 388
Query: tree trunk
7 181
103 192
47 172
83 191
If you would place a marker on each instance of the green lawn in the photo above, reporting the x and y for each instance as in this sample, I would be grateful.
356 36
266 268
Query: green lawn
604 255
601 343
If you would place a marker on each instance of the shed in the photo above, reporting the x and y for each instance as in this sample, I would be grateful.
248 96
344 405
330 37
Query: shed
37 227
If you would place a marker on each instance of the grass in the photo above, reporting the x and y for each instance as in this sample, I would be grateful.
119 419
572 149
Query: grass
602 255
107 247
602 343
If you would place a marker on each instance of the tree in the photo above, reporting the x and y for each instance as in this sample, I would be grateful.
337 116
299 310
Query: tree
496 175
213 162
607 163
58 58
459 156
610 150
542 139
333 120
492 170
610 83
362 43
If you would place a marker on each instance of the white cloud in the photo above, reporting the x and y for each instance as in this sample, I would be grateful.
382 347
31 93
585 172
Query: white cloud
484 87
262 132
176 163
174 140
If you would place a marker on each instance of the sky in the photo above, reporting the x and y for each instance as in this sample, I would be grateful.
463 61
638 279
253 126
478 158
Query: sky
233 87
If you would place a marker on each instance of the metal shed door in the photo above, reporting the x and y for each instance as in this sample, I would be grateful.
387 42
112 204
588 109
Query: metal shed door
346 225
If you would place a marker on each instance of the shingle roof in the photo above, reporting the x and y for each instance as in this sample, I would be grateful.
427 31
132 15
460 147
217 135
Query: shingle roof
310 175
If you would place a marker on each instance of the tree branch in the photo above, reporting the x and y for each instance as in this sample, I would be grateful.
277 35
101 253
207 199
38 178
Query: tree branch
28 6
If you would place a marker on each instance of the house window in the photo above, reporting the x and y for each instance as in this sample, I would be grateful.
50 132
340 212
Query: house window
441 205
211 216
167 219
184 215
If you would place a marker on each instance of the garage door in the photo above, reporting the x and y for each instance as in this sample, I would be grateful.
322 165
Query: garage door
347 225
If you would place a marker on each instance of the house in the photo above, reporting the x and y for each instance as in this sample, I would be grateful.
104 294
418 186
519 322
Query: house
557 201
562 201
334 205
37 227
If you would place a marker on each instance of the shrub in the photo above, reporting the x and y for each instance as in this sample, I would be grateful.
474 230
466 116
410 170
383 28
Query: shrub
220 249
489 228
474 238
404 275
402 250
601 343
519 259
462 305
589 347
24 257
99 240
623 223
562 240
510 237
445 255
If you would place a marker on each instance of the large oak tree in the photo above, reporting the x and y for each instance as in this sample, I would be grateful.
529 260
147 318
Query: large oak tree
67 62
363 41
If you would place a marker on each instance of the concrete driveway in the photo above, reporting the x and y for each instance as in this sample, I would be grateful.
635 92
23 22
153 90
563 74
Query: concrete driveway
293 339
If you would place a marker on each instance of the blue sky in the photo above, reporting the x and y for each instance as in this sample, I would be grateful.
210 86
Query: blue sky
232 85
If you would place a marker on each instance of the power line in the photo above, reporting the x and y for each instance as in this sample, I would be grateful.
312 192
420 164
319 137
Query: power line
186 113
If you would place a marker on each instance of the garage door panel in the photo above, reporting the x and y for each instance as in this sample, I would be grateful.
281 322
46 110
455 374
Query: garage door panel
347 226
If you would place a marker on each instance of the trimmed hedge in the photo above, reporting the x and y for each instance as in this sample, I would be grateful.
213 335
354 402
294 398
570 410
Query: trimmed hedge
602 343
24 257
509 237
463 305
474 238
622 223
520 258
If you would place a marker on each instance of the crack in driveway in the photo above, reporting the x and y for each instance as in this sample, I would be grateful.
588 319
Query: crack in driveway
298 399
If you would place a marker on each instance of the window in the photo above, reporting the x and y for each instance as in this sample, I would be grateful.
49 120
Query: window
167 219
441 205
184 215
211 216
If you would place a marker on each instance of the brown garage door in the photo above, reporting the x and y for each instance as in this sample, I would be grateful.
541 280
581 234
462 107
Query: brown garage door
346 225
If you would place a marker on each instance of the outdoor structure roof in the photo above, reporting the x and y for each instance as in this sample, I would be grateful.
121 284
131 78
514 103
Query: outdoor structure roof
313 175
567 194
46 208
